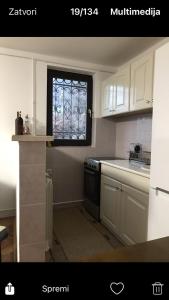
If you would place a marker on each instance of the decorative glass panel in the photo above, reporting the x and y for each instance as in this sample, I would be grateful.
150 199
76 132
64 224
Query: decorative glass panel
69 109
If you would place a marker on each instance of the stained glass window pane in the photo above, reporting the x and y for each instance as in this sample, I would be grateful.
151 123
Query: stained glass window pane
69 109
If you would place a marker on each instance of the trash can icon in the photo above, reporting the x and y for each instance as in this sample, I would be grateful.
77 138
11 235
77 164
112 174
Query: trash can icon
157 288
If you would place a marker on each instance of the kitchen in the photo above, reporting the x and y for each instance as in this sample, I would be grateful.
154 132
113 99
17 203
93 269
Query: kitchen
125 90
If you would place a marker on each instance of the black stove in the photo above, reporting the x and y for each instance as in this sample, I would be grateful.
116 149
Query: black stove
92 178
94 162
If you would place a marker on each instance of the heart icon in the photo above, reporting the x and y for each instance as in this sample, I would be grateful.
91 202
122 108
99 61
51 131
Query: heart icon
117 287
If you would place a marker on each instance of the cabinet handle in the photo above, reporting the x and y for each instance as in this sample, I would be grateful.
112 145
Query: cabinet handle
89 112
149 101
161 190
111 110
117 189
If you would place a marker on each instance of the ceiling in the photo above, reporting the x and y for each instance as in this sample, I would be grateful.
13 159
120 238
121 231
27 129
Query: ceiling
110 51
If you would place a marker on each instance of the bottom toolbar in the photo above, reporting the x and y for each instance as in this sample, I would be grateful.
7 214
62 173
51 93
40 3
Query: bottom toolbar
84 280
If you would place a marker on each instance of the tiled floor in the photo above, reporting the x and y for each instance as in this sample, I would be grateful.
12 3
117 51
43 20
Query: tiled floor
66 243
59 251
9 244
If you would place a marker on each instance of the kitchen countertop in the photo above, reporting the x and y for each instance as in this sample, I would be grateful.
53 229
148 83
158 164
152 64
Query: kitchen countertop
130 166
152 251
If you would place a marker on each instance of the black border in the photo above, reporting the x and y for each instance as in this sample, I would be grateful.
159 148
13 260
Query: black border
59 21
51 22
86 280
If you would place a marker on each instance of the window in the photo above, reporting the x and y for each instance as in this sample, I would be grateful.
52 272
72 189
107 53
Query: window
69 108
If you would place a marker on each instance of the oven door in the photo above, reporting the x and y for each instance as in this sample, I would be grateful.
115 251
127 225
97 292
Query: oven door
92 186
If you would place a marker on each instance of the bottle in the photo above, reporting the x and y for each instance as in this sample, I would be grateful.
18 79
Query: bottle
19 124
26 125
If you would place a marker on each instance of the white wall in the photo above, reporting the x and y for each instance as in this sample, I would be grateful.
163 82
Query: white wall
23 86
67 162
15 94
18 92
41 94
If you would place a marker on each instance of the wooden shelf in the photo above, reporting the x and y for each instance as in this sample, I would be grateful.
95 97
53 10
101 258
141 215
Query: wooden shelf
32 138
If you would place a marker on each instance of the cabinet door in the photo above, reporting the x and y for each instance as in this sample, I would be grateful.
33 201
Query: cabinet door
107 97
122 85
110 203
160 126
134 215
141 83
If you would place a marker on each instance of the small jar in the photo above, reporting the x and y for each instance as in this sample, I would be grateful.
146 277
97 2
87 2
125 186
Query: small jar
26 125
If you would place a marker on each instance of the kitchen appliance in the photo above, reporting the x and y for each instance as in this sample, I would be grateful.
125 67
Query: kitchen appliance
92 176
136 153
158 219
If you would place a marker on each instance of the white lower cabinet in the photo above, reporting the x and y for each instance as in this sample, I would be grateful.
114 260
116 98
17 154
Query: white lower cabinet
110 203
134 215
124 210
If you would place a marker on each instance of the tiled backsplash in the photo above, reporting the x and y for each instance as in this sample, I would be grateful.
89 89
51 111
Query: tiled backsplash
133 129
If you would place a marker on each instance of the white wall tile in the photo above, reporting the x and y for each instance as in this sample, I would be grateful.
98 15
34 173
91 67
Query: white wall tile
133 129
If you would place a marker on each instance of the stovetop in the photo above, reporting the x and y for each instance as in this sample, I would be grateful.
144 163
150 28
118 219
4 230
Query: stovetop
94 162
98 158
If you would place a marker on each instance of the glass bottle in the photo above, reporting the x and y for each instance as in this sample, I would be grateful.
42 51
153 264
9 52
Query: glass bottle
19 124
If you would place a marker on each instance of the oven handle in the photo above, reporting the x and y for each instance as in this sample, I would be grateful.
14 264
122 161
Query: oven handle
90 172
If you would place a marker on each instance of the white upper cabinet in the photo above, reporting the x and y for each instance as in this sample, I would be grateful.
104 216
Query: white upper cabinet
130 89
115 93
107 97
122 85
141 89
